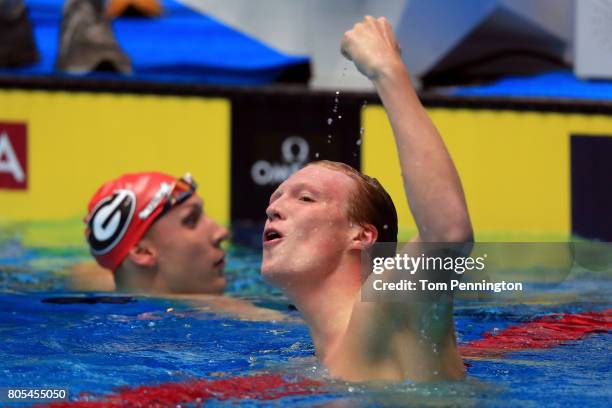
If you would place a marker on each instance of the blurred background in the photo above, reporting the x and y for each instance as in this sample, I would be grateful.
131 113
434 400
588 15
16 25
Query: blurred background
243 92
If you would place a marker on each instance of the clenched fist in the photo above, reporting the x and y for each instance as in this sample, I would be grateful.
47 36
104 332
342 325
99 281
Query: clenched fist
372 46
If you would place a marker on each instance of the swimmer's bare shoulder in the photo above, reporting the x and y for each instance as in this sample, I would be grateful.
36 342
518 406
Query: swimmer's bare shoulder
232 307
369 347
391 340
90 277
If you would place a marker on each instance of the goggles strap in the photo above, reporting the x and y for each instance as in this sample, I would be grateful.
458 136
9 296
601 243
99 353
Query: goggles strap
164 191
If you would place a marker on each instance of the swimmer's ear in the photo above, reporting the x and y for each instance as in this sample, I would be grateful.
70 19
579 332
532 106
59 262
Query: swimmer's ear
143 253
364 236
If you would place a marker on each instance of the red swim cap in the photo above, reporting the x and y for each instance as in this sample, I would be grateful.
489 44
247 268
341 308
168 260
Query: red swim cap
122 210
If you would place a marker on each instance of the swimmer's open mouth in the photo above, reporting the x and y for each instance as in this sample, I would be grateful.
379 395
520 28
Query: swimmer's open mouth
271 235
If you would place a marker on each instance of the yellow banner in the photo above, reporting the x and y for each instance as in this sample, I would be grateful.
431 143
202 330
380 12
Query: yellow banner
515 166
76 141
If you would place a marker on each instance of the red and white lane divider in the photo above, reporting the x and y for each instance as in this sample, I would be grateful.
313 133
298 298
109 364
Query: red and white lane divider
545 332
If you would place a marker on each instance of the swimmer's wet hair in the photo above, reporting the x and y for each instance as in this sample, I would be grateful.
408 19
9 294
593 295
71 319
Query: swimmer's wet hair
370 203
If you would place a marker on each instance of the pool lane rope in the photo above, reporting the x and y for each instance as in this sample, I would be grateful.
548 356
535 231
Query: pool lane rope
542 333
196 392
545 332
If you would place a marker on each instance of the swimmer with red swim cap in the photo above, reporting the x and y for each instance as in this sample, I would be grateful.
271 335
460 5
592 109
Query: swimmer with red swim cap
322 217
151 230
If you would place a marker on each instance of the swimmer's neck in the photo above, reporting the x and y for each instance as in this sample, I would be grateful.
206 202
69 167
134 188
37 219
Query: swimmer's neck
328 307
130 278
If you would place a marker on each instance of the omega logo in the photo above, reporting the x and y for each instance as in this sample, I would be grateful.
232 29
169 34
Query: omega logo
295 153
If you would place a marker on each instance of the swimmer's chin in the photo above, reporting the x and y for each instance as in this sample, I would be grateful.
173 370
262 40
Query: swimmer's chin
266 272
270 274
221 285
214 287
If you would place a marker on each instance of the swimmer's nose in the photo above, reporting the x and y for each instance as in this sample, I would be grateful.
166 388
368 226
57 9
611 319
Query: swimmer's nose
273 212
220 235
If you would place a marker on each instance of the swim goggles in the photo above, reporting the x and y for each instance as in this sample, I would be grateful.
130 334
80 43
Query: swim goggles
170 195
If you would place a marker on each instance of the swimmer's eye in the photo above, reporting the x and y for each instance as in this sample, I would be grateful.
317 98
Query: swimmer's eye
191 220
308 199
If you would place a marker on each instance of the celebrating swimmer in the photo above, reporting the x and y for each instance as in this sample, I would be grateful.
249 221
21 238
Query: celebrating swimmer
322 217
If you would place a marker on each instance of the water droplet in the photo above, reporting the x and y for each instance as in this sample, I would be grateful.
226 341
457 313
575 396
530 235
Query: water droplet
151 324
351 389
385 226
361 131
330 121
435 373
338 92
358 142
316 155
339 116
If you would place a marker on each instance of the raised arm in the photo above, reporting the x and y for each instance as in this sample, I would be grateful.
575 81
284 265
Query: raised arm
431 183
415 338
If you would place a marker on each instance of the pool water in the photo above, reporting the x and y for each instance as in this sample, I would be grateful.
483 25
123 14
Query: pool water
109 346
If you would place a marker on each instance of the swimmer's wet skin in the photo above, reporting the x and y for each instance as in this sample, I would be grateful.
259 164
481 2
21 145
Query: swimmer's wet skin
323 216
